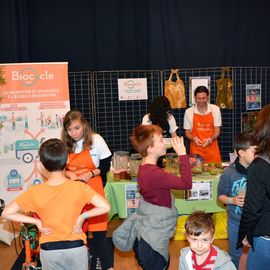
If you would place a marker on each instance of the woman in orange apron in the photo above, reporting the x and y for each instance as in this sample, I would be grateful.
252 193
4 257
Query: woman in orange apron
89 161
204 133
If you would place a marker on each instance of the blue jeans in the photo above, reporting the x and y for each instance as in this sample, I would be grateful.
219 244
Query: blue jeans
148 258
233 237
259 259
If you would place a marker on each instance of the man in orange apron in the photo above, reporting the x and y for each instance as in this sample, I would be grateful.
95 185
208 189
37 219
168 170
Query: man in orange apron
202 126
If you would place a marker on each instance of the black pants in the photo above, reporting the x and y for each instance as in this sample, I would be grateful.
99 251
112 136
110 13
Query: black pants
99 248
148 258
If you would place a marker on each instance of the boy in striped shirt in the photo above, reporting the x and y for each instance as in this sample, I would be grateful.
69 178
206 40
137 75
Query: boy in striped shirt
201 254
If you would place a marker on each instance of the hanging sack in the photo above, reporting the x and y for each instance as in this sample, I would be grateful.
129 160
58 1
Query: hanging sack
224 90
175 91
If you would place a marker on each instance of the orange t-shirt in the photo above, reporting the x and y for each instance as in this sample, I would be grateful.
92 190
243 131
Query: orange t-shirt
58 207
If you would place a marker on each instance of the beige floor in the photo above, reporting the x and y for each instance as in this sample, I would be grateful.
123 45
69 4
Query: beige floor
122 260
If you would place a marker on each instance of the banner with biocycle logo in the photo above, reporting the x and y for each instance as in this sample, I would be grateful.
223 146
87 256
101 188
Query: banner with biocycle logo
34 101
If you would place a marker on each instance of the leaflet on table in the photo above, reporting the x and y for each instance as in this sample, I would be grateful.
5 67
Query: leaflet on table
202 190
132 196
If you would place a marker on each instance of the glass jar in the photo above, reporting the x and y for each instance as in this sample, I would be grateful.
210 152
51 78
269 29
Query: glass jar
134 163
120 165
172 164
196 162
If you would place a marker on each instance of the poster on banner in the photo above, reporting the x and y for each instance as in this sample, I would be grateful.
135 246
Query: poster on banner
132 196
34 101
202 190
132 89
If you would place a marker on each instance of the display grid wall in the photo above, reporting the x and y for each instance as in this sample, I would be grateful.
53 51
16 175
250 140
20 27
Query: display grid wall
96 95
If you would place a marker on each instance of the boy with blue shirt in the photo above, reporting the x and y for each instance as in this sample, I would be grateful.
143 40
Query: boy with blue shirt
231 190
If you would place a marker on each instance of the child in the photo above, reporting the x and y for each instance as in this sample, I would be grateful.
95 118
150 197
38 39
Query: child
89 160
58 202
149 230
202 255
231 190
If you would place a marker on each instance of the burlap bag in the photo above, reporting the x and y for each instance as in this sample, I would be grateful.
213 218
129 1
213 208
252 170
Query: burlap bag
224 91
175 91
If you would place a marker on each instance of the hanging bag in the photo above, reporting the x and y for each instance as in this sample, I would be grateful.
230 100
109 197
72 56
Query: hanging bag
175 91
224 90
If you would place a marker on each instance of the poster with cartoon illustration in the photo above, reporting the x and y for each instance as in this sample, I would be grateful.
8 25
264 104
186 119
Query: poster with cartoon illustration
34 101
132 198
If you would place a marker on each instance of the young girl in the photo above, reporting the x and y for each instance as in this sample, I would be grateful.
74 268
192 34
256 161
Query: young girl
160 114
150 229
89 160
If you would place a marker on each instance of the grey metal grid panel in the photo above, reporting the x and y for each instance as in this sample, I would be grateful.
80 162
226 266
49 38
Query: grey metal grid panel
81 97
249 75
96 95
115 118
226 138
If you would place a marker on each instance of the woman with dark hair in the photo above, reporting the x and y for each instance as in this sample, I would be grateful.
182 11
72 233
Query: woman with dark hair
160 114
254 228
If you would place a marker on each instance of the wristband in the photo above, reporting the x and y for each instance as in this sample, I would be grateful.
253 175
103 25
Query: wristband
84 215
230 201
92 173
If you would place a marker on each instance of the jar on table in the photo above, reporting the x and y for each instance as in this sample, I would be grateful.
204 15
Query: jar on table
172 164
120 165
134 163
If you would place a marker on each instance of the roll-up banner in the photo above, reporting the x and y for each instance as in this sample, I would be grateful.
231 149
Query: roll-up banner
35 98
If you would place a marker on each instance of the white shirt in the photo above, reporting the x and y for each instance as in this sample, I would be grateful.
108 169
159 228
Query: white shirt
189 113
171 122
99 149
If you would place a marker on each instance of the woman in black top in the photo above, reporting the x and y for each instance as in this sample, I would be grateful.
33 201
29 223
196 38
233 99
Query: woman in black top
254 228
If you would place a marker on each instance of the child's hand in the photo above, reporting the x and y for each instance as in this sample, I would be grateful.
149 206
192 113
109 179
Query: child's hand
178 145
77 228
41 228
245 242
238 200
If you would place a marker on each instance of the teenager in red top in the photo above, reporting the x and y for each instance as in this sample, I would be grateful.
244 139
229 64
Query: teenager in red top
155 186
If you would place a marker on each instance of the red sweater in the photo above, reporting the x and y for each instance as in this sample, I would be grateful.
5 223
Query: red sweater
155 184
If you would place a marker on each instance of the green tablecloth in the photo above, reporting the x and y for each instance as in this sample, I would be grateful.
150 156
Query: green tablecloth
116 195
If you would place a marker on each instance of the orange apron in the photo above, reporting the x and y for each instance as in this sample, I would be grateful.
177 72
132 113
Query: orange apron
203 127
81 163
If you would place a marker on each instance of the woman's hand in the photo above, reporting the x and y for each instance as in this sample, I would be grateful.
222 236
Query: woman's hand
85 176
71 175
178 145
207 142
197 142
